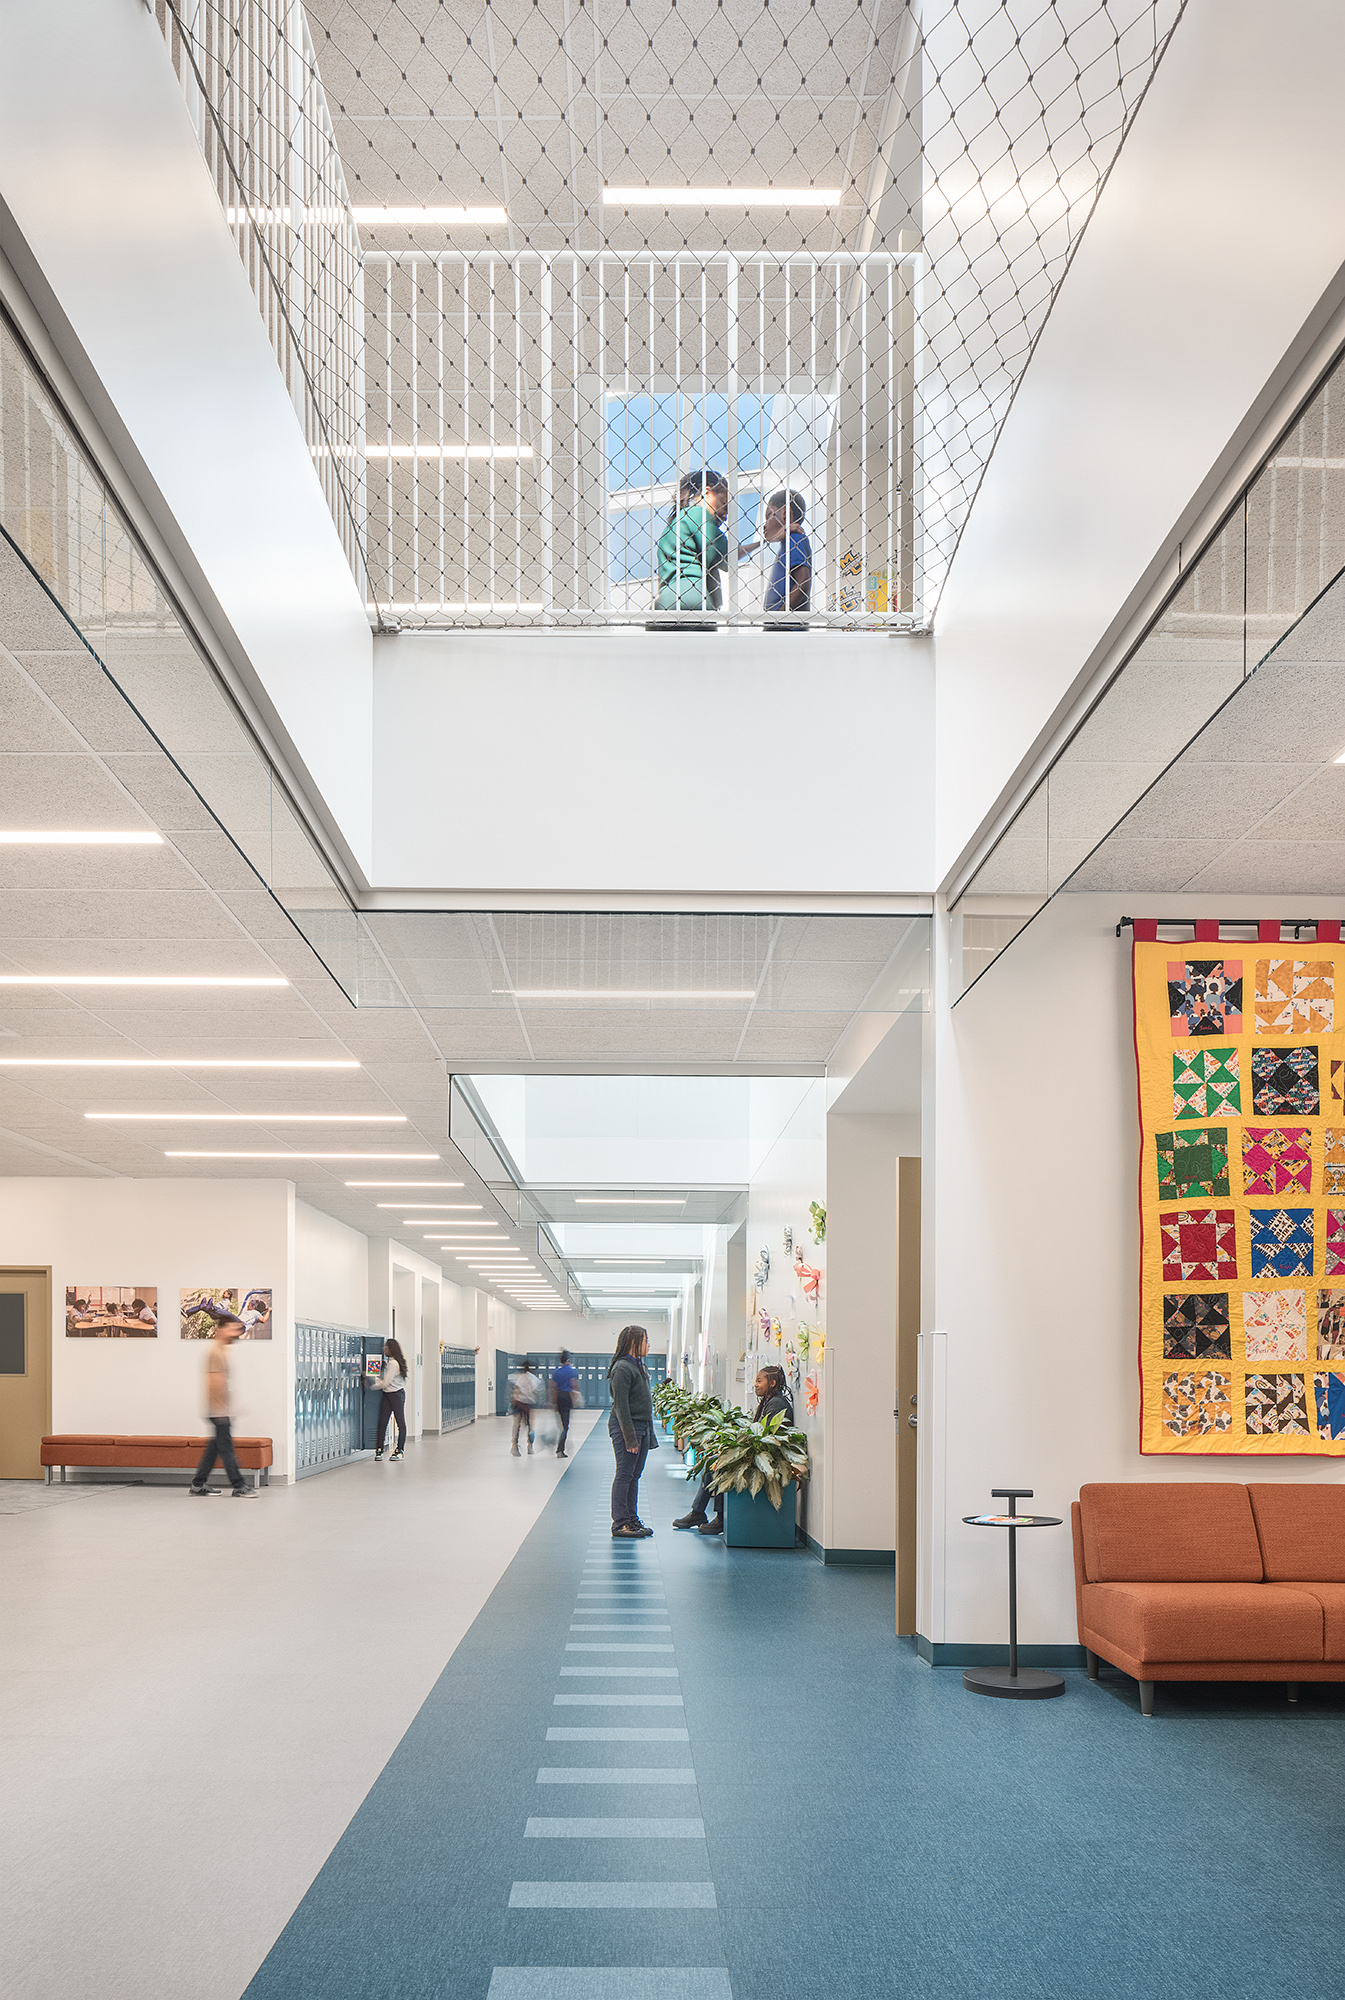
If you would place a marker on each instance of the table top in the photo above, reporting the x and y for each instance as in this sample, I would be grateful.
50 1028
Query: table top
1013 1520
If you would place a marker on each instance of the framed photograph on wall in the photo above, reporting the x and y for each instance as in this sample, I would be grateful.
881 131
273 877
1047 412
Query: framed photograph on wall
204 1306
111 1312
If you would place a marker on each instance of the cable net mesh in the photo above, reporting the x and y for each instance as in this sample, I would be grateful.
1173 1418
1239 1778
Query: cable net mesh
633 270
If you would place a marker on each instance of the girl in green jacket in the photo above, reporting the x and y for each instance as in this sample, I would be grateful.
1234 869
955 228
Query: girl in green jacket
693 550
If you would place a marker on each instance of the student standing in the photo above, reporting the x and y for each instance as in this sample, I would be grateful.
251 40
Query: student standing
218 1406
392 1381
790 584
523 1389
631 1429
693 549
564 1382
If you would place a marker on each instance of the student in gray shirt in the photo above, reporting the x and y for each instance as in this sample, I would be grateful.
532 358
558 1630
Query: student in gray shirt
631 1429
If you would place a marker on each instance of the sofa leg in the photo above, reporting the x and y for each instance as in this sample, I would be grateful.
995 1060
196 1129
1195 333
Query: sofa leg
1146 1697
1292 1688
1093 1664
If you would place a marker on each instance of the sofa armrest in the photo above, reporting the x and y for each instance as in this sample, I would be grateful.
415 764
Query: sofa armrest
1080 1574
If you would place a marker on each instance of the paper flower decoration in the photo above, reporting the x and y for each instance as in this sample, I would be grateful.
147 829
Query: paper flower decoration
819 1348
818 1226
776 1331
765 1319
810 1393
803 1336
808 1275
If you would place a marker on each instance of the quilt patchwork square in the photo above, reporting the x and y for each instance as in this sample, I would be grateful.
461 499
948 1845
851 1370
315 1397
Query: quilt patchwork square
1276 1159
1328 1390
1331 1324
1277 1405
1294 996
1282 1242
1205 1083
1334 1265
1199 1246
1275 1325
1205 996
1195 1326
1192 1163
1333 1160
1284 1083
1196 1405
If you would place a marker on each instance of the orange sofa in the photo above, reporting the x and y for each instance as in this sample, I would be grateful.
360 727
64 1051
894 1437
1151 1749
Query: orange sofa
1211 1582
175 1454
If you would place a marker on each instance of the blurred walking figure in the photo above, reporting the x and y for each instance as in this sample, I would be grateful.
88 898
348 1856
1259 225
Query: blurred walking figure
693 549
631 1429
564 1384
218 1411
392 1381
523 1389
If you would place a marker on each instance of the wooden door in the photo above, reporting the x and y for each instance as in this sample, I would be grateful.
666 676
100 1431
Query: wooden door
25 1371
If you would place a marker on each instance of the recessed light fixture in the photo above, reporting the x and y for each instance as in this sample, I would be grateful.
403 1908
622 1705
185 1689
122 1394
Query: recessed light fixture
742 197
646 1263
126 979
252 1117
301 1156
440 218
625 992
178 1062
630 1201
393 1184
437 1205
22 837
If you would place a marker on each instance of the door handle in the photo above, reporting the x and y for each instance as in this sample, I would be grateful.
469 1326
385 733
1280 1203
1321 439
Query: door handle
914 1422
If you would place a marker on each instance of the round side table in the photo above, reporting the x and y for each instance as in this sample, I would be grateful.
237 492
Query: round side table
1031 1684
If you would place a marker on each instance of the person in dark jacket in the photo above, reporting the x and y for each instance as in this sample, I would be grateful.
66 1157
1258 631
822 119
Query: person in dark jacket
772 1398
631 1429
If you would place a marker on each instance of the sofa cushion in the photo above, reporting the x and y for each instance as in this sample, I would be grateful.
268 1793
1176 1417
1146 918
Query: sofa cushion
1331 1597
1164 1532
1206 1621
1302 1531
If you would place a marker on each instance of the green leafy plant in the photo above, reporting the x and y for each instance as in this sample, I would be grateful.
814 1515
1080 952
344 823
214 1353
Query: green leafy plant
817 1228
756 1458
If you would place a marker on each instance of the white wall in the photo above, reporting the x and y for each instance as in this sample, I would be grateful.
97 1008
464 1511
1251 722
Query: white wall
792 1173
173 1235
331 1269
598 732
143 292
1159 345
1035 1276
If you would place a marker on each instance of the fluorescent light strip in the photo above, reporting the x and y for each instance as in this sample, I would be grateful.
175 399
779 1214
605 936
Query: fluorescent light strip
409 218
183 1062
252 1117
392 1184
456 451
625 993
748 197
19 837
124 979
437 1204
300 1156
510 607
646 1263
630 1201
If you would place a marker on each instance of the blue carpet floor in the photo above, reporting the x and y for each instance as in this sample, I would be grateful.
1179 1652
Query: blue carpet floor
790 1806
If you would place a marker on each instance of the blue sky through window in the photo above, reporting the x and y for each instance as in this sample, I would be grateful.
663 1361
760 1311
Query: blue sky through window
654 440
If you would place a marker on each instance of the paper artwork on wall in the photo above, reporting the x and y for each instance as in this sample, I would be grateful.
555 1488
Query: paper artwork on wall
761 1275
808 1275
817 1228
789 1241
1242 1236
810 1393
204 1306
111 1312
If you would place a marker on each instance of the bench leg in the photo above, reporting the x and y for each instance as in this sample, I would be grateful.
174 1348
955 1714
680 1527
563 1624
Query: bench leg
46 1475
63 1475
1146 1697
1092 1664
1292 1687
257 1481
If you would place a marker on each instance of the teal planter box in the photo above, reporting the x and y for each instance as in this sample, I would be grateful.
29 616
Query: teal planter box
755 1524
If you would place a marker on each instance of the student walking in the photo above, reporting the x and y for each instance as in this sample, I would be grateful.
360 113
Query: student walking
523 1389
392 1381
631 1429
564 1387
218 1404
693 550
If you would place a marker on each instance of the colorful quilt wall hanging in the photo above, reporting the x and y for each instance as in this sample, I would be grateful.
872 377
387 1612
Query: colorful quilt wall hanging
1240 1055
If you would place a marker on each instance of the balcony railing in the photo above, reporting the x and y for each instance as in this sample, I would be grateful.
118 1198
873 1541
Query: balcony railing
530 419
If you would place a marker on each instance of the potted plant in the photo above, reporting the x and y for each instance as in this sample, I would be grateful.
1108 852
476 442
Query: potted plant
755 1466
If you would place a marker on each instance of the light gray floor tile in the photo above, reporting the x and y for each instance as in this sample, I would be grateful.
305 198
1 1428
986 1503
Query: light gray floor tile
614 1829
616 1700
631 1673
616 1774
613 1896
617 1735
609 1982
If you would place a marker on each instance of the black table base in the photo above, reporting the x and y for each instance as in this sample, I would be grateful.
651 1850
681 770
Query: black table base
1028 1684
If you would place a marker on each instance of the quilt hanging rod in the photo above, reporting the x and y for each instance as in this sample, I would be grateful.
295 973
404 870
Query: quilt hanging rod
1266 930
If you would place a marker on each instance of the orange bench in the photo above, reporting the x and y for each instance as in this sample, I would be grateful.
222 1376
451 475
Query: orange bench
1204 1581
172 1454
